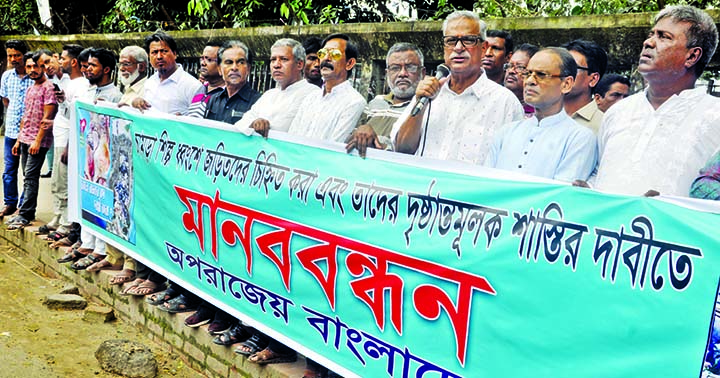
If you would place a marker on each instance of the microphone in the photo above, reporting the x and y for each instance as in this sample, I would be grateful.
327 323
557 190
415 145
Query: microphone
441 72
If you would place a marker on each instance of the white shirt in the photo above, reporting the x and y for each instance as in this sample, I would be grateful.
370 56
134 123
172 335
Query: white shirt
174 94
278 106
73 88
329 117
462 126
555 147
642 148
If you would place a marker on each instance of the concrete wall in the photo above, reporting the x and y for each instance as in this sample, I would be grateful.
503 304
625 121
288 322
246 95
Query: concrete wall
621 35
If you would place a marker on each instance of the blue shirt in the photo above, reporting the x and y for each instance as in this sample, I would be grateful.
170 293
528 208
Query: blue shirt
556 147
13 87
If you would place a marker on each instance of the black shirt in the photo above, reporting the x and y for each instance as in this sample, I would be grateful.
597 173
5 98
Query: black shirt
231 109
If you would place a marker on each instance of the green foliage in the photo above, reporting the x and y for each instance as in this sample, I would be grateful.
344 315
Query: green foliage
19 17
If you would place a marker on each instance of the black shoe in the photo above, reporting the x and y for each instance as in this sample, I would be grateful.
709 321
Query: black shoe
46 175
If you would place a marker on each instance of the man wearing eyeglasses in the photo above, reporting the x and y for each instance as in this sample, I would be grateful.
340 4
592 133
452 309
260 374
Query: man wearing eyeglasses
514 71
332 113
405 67
591 60
466 108
133 73
549 144
656 140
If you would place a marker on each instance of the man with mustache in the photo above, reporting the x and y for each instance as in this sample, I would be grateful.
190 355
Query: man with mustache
133 73
333 112
70 89
312 62
277 107
549 144
230 104
466 108
591 60
13 86
514 71
405 67
498 53
170 89
611 89
34 138
656 140
211 77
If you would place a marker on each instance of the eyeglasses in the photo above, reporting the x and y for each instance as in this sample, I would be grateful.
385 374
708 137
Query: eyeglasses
334 54
207 59
583 68
466 40
518 68
396 68
539 75
127 64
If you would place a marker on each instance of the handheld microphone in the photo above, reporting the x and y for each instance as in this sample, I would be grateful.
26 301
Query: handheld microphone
441 72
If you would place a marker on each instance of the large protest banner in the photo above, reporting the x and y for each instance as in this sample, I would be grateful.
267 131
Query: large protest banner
390 267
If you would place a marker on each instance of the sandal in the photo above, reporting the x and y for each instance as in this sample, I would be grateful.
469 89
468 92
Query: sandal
125 275
103 265
177 305
44 229
147 287
64 242
71 256
84 262
162 296
55 236
17 223
234 335
268 356
251 346
132 285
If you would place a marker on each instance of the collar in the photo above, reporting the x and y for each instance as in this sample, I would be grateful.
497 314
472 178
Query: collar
588 111
244 92
479 88
338 88
391 96
175 77
550 121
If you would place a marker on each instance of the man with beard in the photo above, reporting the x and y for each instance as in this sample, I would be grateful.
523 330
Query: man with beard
211 78
312 62
466 108
133 73
278 106
514 71
100 65
70 89
498 53
654 141
405 68
34 138
170 89
332 113
549 144
230 104
13 86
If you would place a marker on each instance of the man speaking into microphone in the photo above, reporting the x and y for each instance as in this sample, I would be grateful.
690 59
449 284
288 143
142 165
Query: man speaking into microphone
464 109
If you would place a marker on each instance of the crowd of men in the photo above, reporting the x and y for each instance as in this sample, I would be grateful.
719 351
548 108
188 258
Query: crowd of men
551 112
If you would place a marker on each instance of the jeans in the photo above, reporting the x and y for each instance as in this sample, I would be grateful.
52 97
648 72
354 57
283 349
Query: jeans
31 168
10 175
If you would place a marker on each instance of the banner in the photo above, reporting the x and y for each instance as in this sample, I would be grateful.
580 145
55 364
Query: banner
403 267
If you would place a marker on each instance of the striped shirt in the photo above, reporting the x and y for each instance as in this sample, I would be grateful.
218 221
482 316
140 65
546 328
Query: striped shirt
13 87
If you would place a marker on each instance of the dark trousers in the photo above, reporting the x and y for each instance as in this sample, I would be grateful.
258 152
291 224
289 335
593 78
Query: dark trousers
10 174
31 165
